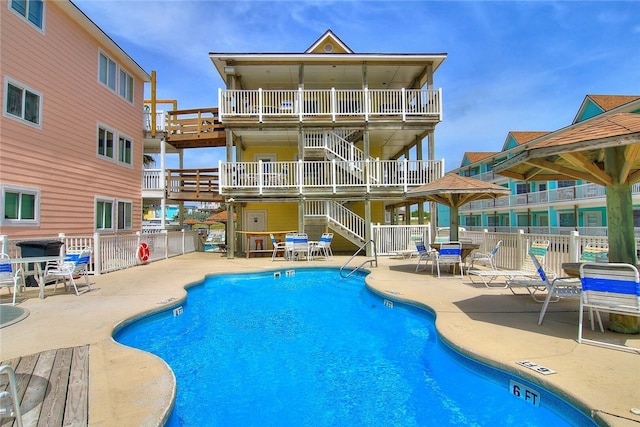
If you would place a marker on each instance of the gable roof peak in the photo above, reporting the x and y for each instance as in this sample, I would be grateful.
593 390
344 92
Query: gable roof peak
328 43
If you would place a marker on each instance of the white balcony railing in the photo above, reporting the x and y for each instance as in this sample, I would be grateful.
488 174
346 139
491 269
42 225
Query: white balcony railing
331 104
153 179
329 175
160 120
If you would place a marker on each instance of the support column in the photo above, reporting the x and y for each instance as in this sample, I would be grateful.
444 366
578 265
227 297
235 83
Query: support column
367 222
230 238
301 215
433 206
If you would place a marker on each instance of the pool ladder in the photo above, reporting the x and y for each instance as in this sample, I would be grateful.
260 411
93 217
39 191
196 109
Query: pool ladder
9 400
373 261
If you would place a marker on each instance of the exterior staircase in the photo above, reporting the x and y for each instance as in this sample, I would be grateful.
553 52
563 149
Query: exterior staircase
338 218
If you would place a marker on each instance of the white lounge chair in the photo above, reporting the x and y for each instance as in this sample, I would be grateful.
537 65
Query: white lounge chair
73 265
450 253
591 252
425 254
527 275
559 287
610 288
9 278
485 257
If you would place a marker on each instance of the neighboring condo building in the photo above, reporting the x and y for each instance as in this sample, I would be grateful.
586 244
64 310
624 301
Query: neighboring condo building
72 112
554 207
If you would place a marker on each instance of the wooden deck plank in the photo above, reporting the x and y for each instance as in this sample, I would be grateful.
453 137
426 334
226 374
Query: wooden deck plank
53 386
76 410
36 390
52 412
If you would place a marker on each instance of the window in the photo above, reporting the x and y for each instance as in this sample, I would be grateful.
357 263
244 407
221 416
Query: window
124 150
104 215
567 219
105 142
114 77
522 220
22 103
107 72
126 86
31 10
521 188
542 186
20 206
564 184
124 215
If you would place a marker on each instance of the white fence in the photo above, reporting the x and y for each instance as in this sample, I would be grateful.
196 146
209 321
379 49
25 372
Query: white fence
116 251
391 239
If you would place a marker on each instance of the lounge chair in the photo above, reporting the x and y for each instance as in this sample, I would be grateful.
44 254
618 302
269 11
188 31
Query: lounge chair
450 254
485 257
9 278
73 266
591 253
427 254
611 288
559 287
521 277
277 247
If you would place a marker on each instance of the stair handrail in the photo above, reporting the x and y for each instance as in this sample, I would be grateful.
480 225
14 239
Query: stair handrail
373 260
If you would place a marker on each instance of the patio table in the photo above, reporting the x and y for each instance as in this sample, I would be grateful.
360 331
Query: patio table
39 271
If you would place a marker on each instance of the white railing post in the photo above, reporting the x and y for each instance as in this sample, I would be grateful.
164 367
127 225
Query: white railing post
300 176
440 103
97 254
406 174
367 104
521 248
5 243
574 246
260 177
404 104
184 237
366 175
334 176
166 243
334 104
260 105
300 103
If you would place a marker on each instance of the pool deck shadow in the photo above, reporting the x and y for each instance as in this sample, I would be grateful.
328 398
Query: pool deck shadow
129 387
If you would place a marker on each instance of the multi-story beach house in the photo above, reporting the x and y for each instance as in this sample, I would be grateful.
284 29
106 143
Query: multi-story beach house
322 140
541 206
72 112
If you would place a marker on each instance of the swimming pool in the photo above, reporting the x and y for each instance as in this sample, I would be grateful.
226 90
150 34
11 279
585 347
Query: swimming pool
305 347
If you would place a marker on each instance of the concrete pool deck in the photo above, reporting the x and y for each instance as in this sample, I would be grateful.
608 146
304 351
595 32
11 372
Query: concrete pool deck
129 387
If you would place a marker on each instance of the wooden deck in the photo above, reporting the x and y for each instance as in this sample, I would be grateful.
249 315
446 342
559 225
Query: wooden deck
53 387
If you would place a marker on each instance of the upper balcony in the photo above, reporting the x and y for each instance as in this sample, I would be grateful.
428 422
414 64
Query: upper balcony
330 105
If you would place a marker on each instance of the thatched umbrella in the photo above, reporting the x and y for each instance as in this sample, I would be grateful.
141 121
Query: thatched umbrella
221 217
454 190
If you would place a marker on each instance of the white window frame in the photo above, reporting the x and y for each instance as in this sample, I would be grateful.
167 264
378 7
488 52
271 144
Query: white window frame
103 200
106 82
114 147
125 88
21 118
25 18
128 222
119 152
6 188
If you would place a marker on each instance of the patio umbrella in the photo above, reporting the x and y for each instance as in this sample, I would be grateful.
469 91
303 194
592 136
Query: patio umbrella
191 222
605 151
221 217
454 190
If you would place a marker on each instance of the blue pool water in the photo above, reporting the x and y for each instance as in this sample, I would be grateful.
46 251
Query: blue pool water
312 349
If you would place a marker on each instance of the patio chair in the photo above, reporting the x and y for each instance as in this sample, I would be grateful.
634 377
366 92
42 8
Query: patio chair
611 288
9 278
486 257
450 254
529 278
73 266
277 247
323 247
427 254
288 245
300 246
591 252
559 287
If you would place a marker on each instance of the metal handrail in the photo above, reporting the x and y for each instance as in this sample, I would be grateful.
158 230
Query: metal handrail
373 260
13 393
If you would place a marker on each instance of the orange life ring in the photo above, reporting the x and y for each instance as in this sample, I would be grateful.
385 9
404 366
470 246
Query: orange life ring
143 253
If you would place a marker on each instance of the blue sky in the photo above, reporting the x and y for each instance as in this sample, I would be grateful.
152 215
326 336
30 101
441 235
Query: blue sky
522 66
